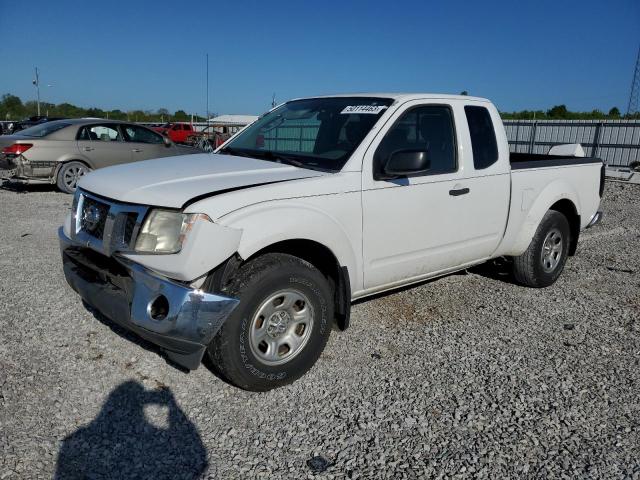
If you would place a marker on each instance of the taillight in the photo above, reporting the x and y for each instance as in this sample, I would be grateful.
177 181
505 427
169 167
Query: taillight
17 148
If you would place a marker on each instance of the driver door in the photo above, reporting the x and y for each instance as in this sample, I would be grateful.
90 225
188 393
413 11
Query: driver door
422 224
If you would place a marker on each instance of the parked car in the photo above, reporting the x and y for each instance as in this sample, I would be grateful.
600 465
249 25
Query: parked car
208 139
221 129
252 255
62 151
177 132
30 122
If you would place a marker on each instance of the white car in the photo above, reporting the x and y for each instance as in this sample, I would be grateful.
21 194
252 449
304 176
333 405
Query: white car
253 254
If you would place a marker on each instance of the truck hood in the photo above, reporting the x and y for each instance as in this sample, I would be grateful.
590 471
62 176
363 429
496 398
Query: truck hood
174 181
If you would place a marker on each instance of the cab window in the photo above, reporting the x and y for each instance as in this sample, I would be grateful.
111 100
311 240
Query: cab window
429 129
483 137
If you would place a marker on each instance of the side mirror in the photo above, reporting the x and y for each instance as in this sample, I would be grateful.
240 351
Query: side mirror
404 163
167 141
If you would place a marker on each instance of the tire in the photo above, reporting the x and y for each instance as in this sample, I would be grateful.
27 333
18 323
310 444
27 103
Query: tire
260 346
69 174
543 261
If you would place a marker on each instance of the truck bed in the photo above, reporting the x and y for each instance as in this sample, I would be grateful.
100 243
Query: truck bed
538 160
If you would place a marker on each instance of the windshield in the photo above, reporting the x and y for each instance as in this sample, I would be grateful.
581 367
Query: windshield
43 129
316 133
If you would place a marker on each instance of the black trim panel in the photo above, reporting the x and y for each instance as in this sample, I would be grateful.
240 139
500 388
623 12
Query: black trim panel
343 299
233 189
550 161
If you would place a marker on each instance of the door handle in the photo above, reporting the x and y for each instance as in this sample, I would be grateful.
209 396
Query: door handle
137 150
88 149
458 191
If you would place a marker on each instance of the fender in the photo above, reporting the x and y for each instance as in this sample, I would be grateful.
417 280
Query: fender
69 157
78 157
268 223
532 208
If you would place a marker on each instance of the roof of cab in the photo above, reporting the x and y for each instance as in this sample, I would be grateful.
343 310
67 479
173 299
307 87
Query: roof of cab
404 96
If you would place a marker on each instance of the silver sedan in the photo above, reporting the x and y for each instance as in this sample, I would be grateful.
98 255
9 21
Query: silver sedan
62 151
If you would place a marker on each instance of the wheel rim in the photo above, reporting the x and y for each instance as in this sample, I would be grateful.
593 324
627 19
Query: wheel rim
72 174
552 250
281 327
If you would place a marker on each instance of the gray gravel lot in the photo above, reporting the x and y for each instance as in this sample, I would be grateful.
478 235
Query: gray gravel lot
466 376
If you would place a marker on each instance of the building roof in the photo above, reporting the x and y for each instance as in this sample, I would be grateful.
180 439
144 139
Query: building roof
233 119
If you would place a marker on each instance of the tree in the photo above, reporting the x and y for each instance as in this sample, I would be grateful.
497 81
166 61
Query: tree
614 113
181 116
464 92
11 106
95 113
558 111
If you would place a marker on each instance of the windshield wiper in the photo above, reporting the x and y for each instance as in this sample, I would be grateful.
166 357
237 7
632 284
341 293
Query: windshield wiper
283 158
234 151
272 156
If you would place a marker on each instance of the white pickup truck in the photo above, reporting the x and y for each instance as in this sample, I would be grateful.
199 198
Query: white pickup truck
254 254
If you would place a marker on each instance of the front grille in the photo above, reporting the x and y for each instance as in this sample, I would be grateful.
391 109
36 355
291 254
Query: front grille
93 217
104 225
129 226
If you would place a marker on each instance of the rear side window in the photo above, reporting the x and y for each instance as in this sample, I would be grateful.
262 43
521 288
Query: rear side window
43 129
483 137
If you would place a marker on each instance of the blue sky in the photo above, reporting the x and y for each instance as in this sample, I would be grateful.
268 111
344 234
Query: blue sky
148 55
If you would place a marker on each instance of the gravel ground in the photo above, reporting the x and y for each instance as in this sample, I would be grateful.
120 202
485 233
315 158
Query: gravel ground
466 376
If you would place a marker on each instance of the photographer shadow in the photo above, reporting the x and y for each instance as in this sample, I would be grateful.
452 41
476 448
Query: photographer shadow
124 441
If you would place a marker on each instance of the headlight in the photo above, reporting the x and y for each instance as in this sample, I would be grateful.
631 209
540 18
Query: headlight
164 231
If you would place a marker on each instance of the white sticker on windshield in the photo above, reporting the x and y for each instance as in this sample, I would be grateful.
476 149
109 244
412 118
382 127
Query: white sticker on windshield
374 109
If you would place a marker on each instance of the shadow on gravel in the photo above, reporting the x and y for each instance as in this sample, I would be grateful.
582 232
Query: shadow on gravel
131 336
142 343
499 269
36 187
138 434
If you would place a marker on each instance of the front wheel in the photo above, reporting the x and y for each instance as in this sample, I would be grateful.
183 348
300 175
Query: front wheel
542 263
69 175
280 327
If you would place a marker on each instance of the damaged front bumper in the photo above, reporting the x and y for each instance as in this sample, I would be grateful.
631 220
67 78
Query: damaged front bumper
179 319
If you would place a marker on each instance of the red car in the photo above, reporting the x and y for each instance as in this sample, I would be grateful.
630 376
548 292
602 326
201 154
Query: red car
177 132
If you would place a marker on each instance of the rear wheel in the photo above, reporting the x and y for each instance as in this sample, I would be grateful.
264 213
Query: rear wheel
280 327
542 263
69 175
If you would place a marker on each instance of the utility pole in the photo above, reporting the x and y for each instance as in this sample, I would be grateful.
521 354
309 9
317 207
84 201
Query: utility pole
634 96
36 82
273 100
207 88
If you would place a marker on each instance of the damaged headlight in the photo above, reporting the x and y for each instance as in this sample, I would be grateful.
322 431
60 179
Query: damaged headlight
164 231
